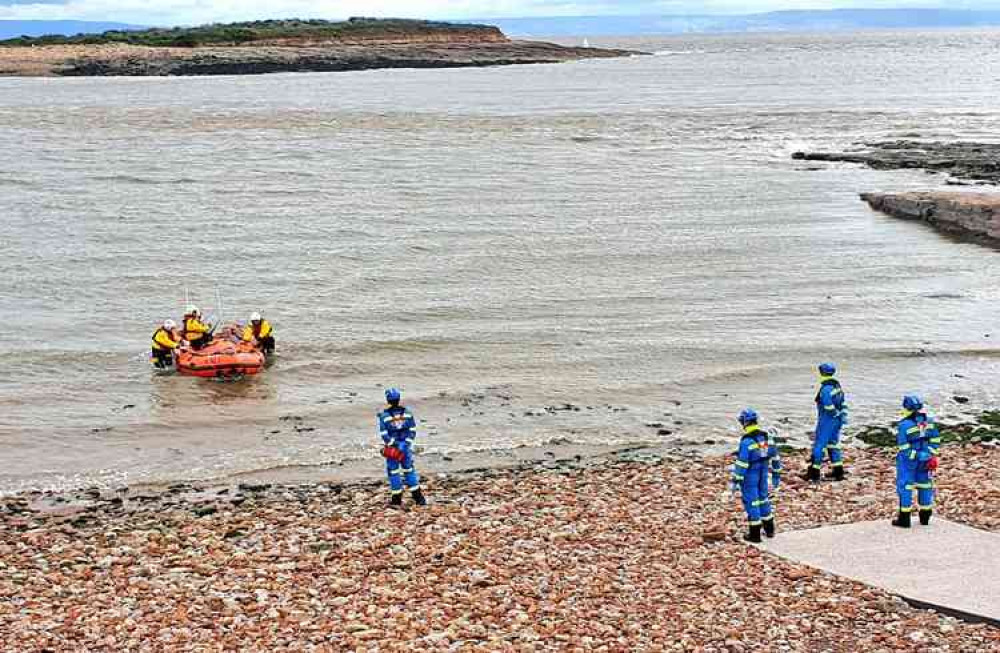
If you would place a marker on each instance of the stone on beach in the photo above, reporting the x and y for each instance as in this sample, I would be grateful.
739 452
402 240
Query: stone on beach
612 555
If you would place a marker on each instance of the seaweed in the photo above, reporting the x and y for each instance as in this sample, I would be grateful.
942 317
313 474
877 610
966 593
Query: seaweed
985 428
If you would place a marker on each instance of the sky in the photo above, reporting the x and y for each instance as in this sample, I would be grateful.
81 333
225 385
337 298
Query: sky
187 12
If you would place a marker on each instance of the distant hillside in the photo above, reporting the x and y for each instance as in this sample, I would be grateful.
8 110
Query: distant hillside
778 21
83 32
10 29
279 32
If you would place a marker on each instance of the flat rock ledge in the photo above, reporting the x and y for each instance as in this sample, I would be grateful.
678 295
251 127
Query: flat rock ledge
975 215
965 162
130 61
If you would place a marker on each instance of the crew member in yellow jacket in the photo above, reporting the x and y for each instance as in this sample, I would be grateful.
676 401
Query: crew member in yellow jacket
164 344
259 332
196 332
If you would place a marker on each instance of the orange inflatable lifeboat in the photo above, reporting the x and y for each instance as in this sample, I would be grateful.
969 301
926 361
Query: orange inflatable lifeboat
221 358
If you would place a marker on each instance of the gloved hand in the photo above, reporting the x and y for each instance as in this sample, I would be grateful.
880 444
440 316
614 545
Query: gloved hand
932 464
843 418
734 488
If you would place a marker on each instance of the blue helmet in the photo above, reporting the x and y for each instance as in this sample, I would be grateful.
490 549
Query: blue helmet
912 403
827 369
393 395
748 416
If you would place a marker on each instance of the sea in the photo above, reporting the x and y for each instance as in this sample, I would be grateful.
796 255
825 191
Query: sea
611 251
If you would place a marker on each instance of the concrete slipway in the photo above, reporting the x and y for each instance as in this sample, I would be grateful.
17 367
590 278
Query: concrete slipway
948 567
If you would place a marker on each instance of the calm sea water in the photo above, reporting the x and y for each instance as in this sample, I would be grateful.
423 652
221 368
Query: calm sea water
627 236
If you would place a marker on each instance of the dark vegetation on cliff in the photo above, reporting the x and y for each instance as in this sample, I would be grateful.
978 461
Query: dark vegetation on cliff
264 31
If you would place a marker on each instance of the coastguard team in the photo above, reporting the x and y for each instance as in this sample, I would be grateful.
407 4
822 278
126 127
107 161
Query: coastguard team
756 472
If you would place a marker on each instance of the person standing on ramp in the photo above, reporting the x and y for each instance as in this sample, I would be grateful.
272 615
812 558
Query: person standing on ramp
917 444
756 461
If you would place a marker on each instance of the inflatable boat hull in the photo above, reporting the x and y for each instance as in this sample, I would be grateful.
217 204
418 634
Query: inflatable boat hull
221 358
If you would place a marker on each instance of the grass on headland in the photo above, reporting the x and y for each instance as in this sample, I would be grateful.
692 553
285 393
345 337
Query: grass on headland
250 32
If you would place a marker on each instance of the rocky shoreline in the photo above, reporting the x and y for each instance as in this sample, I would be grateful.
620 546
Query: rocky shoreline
973 216
968 215
635 549
963 161
131 60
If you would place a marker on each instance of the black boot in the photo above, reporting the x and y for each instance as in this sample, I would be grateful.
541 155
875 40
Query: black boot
754 534
925 517
812 474
838 473
903 520
418 497
396 501
769 526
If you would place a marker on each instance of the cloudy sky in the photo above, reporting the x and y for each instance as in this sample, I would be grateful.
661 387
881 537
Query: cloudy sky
162 12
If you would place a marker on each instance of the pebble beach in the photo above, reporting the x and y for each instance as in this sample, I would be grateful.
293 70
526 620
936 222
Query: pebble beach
630 551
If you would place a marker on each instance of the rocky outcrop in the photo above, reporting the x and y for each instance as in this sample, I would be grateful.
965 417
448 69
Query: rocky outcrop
977 162
975 215
126 60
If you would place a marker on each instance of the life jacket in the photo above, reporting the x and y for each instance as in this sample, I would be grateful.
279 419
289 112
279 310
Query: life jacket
837 395
922 437
397 419
194 328
759 448
263 330
159 346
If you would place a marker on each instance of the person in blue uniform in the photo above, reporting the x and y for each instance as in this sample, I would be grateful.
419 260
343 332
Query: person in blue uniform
917 443
831 416
757 462
398 429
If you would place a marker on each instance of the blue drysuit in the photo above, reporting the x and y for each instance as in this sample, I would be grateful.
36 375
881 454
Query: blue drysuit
398 428
831 413
917 441
756 460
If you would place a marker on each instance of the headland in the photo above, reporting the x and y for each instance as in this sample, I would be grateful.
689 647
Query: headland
280 46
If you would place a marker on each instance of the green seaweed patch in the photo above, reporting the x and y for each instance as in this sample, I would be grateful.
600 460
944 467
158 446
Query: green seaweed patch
877 436
986 428
973 433
990 418
787 449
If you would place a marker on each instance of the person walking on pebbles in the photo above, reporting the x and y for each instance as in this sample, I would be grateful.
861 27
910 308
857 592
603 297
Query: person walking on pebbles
831 417
917 443
756 460
398 429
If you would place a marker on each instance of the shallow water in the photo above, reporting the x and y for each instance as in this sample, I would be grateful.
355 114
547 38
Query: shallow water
628 236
